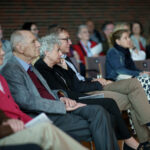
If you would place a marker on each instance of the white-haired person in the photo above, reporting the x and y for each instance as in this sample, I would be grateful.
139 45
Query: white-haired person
13 130
33 95
51 56
84 47
128 94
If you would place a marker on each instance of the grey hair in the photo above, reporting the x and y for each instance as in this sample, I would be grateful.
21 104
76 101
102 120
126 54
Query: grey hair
80 28
48 42
16 38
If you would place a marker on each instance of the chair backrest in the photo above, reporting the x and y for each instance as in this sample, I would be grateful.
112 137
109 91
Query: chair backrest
95 66
143 64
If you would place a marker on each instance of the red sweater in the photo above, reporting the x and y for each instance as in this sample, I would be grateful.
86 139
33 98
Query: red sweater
81 51
8 105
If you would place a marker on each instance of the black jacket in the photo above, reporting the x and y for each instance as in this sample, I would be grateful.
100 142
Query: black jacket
54 80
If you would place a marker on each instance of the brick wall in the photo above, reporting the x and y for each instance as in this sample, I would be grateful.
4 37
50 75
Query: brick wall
71 13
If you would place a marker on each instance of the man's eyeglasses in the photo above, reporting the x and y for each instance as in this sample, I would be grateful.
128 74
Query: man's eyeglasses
66 39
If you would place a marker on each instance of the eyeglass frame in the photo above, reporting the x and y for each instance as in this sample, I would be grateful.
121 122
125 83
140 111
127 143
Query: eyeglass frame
65 39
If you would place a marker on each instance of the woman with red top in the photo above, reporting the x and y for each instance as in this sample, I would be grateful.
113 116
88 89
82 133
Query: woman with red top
83 48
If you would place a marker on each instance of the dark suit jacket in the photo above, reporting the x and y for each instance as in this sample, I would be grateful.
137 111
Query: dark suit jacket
5 130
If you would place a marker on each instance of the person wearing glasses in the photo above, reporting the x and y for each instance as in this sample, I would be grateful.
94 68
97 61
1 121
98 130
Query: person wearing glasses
32 93
15 136
128 94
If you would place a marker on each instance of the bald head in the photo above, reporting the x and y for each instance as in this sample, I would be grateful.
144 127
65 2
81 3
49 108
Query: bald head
19 37
25 44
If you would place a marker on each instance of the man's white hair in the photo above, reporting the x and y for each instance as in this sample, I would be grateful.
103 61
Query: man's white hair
48 42
80 27
16 37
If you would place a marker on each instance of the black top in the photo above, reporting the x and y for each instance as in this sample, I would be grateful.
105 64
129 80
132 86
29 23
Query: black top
74 83
129 63
54 79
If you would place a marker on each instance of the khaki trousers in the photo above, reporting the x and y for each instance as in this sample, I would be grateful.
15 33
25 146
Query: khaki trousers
45 135
129 94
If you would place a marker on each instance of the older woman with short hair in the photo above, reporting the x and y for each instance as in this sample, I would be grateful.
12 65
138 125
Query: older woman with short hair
51 56
84 47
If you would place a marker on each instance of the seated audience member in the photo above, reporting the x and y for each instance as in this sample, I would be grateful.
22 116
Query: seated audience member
6 47
128 94
51 56
71 53
21 147
136 36
119 62
94 34
12 128
13 132
83 48
107 29
135 53
33 95
31 26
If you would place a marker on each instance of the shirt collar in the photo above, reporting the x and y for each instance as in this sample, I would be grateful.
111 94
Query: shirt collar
87 49
64 56
88 44
23 63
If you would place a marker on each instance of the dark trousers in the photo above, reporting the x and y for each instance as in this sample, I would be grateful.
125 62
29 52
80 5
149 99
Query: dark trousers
110 105
88 123
21 147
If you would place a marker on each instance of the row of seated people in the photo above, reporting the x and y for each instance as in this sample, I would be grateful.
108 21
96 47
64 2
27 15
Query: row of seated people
118 63
15 136
84 122
89 37
81 123
87 46
135 28
82 119
103 37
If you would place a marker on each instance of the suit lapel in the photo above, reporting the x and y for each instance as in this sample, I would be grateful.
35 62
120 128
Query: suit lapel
26 76
14 60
